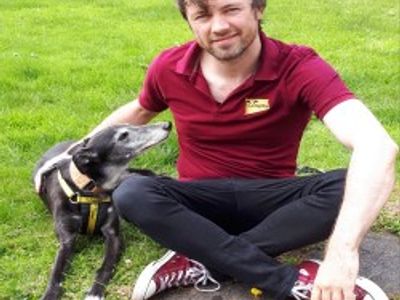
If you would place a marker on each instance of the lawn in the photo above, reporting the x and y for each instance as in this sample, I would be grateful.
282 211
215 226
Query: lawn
65 65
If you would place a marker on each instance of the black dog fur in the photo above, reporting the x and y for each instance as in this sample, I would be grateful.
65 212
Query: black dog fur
103 158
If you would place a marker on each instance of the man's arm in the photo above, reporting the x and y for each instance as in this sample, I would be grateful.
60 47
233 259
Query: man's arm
131 113
370 179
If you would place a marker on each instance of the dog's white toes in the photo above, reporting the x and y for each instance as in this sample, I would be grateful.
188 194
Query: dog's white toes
91 297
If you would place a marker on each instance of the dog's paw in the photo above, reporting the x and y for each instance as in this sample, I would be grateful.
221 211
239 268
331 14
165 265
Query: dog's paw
93 297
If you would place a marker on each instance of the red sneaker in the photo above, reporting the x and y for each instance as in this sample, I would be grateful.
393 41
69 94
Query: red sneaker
172 270
365 289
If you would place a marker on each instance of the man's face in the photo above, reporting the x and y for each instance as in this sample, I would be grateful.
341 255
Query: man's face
224 28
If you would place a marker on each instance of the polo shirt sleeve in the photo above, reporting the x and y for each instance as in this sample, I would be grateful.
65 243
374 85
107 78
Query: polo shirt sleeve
318 85
151 96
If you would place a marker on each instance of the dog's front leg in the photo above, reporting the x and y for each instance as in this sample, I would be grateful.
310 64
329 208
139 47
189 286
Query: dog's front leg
66 238
113 248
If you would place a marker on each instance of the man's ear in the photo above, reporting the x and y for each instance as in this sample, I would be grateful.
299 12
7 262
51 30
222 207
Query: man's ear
259 13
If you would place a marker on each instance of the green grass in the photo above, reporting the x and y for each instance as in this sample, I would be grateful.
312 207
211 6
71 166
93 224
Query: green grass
64 66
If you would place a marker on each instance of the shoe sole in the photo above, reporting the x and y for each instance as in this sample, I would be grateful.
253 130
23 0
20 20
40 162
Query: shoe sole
374 292
144 279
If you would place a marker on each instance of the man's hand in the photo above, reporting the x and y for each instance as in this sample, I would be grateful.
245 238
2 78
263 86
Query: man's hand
336 276
370 179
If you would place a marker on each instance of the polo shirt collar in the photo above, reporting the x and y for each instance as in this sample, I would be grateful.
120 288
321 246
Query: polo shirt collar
269 60
267 69
189 63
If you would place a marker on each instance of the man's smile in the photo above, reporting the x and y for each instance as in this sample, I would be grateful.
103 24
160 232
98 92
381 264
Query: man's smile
224 40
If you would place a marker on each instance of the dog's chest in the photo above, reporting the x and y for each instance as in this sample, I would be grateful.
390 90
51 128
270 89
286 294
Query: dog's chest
93 217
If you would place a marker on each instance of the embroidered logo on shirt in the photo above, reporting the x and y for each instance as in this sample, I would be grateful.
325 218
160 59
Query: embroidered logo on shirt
256 105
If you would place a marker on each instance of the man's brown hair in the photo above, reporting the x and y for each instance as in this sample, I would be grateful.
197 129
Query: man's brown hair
260 4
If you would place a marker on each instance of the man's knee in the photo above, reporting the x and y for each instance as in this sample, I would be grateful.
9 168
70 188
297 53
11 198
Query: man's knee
132 197
328 189
334 182
338 175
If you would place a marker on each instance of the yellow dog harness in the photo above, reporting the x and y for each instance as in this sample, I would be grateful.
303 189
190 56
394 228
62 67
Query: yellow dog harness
94 202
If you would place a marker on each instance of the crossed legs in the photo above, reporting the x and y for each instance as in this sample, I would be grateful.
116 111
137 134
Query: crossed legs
236 226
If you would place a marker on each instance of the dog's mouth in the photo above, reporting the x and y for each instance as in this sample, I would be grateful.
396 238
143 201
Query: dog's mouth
141 139
152 144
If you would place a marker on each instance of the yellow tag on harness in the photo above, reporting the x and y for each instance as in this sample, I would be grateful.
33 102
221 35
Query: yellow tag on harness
256 293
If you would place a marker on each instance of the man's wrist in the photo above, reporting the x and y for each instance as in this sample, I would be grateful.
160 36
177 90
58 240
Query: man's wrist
339 244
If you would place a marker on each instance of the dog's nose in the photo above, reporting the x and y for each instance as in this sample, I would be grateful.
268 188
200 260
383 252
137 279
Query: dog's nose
167 125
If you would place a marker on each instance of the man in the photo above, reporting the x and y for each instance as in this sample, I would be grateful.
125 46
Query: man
240 102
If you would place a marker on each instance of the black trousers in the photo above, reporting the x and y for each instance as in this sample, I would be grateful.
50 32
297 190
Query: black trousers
236 226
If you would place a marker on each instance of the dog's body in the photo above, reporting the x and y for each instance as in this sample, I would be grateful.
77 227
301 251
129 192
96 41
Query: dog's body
77 192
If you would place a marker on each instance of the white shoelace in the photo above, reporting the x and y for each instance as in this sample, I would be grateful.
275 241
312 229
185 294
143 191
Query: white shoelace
170 280
200 275
196 275
301 291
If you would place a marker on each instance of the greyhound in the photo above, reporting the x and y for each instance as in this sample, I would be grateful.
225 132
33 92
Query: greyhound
77 191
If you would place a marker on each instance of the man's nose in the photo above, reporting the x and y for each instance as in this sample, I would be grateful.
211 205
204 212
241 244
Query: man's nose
219 24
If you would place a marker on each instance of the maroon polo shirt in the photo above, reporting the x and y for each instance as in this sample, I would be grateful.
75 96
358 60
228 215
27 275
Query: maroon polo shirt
256 132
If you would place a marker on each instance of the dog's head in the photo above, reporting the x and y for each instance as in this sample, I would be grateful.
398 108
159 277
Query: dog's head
104 157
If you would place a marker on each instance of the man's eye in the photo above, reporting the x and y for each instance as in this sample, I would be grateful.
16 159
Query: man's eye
233 10
200 17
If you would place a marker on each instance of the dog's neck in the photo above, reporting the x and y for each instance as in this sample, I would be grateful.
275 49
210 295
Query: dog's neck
78 178
78 186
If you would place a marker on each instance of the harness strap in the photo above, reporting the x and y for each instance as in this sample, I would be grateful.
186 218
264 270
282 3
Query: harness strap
75 197
92 201
64 185
94 208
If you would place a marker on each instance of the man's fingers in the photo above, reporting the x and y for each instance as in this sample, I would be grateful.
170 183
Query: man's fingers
349 294
337 294
332 294
326 294
316 293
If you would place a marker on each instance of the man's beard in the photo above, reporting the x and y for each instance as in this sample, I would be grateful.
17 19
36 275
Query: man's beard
231 54
226 55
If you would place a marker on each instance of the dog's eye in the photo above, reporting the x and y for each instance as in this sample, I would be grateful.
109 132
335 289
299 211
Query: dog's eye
123 136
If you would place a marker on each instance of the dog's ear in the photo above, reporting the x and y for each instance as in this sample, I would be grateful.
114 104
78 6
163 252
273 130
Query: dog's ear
76 147
85 156
85 141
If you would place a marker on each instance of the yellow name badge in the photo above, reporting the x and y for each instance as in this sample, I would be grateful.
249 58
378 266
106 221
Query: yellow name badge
256 105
